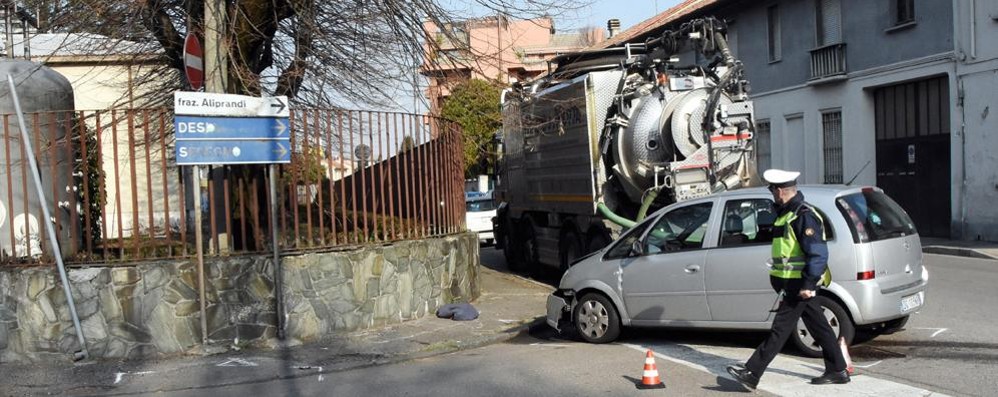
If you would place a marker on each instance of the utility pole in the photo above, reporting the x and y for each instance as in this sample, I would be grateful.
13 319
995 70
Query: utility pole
215 81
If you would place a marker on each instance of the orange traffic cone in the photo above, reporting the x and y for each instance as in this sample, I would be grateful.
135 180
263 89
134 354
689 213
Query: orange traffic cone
845 354
649 379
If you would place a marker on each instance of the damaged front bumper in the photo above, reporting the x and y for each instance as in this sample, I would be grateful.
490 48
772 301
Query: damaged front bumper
558 309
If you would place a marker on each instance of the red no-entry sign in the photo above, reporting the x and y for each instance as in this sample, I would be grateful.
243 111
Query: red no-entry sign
193 62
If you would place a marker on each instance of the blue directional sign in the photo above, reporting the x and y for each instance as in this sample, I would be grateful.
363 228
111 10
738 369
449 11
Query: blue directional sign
208 152
216 129
195 127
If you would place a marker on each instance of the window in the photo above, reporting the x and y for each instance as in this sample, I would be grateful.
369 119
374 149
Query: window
622 248
763 146
873 216
831 126
829 22
773 17
747 221
904 11
681 229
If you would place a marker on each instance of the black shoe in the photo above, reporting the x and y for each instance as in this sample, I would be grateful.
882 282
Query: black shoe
836 377
744 376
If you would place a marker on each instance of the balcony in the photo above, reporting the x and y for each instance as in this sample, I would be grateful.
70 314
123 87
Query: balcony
828 62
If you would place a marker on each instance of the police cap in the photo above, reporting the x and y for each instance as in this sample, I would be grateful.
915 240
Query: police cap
780 178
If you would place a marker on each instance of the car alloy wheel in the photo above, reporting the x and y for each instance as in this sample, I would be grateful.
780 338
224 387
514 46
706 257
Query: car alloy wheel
596 319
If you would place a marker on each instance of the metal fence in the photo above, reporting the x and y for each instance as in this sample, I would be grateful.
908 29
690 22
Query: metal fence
356 177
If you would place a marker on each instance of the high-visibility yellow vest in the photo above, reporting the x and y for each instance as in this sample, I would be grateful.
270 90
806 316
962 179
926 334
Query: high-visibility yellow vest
788 256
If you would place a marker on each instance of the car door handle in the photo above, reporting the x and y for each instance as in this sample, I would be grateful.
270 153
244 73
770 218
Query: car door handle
692 269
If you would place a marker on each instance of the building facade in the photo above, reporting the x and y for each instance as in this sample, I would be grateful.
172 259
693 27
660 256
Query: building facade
892 93
494 48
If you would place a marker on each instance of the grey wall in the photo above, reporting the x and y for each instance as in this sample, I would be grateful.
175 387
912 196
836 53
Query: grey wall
863 30
151 310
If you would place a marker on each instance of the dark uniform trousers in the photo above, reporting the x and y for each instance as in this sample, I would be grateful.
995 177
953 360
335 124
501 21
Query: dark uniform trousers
785 324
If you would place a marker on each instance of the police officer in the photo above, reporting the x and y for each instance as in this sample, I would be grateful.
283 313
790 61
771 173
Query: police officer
800 265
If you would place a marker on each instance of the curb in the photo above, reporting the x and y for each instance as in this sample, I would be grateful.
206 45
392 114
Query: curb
956 251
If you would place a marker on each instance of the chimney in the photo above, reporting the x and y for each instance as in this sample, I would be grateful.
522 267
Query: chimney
613 26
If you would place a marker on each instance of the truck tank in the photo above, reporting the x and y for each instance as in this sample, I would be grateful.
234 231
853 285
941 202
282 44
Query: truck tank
610 135
46 98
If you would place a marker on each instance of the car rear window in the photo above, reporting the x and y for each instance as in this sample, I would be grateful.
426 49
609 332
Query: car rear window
873 216
479 206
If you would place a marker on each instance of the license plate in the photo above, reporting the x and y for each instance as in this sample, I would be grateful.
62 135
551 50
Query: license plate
911 302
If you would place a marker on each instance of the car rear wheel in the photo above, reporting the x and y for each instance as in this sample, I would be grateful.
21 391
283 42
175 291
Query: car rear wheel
595 319
837 318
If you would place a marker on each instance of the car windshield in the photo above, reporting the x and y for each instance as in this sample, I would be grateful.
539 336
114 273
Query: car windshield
874 216
479 206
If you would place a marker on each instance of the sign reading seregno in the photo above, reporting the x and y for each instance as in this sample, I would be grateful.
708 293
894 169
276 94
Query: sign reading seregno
231 129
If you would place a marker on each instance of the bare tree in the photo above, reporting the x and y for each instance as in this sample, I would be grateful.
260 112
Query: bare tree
320 53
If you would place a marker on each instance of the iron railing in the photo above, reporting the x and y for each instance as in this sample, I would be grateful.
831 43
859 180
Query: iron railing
356 177
828 61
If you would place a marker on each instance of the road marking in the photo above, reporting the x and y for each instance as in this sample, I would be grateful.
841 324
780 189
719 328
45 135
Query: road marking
786 376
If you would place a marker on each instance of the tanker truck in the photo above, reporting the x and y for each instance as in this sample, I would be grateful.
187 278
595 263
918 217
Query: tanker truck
607 136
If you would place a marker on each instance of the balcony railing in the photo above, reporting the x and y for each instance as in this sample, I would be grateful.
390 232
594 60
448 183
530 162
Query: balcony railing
828 61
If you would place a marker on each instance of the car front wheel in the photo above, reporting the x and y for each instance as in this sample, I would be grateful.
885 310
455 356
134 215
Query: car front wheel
595 318
837 318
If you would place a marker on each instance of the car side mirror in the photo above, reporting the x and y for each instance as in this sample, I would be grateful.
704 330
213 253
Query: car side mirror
637 248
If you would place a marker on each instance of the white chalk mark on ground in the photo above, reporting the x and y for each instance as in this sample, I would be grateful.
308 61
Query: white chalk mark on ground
547 344
320 374
118 376
938 330
867 365
236 362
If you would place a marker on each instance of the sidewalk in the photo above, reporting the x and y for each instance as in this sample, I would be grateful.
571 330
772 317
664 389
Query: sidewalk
508 306
970 249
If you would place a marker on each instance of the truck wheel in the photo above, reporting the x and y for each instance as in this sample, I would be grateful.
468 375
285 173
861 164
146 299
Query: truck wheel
597 240
510 246
837 318
529 252
571 248
596 319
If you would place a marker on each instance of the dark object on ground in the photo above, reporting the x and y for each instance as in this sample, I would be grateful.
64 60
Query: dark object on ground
744 376
458 311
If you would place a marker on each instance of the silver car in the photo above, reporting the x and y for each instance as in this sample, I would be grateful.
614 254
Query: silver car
705 263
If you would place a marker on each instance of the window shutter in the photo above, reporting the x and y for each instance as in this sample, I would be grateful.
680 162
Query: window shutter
829 22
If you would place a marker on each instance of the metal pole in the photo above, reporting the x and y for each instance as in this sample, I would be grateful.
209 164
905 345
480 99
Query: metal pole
278 269
56 252
199 246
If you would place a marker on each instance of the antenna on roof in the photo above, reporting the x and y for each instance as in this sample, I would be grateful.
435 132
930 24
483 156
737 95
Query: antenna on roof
857 174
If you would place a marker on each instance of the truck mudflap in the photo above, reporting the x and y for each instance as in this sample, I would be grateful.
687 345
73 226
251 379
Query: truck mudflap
558 310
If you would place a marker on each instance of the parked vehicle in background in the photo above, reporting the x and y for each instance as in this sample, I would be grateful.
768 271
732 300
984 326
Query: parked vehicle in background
611 135
480 211
704 263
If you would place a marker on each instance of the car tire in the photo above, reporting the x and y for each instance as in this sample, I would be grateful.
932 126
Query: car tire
596 319
837 318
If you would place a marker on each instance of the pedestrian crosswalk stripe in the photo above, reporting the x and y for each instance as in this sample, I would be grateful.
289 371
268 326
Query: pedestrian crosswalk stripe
786 376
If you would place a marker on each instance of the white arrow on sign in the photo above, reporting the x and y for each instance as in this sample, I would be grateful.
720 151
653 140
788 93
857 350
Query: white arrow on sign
282 151
210 104
280 127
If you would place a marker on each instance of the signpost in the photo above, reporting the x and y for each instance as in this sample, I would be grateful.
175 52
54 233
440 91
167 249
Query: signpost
193 62
220 129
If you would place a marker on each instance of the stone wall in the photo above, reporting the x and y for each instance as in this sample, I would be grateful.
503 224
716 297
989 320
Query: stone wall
151 309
